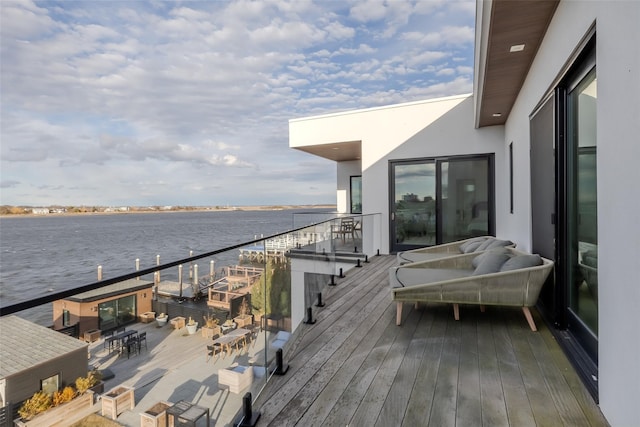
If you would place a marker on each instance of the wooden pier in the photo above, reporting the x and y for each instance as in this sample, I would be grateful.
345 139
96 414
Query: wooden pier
236 282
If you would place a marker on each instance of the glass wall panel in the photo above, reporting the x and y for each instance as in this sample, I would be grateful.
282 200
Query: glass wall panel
440 200
107 316
583 295
464 199
356 194
414 204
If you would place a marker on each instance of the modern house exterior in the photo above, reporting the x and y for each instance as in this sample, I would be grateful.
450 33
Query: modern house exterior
544 152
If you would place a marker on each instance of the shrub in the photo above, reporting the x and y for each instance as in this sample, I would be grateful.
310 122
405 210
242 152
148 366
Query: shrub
85 383
38 403
65 395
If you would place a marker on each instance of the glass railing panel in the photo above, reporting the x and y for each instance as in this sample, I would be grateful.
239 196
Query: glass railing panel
265 287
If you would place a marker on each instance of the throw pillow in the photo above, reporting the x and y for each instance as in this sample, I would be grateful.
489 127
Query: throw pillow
485 244
472 247
476 261
521 261
499 244
463 246
491 263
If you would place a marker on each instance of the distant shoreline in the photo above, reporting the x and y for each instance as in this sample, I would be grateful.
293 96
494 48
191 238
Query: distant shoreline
140 210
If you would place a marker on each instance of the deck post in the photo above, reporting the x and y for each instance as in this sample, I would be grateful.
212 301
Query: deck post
309 320
249 418
281 368
320 303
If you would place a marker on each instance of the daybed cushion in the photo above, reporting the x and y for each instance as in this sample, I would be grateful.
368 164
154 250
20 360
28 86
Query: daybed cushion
491 263
521 261
401 277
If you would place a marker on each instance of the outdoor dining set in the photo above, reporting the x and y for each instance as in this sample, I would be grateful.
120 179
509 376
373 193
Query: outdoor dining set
224 344
125 341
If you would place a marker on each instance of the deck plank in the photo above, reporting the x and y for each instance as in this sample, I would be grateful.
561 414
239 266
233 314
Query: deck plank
443 412
560 392
395 406
516 400
540 402
468 409
356 390
494 411
421 401
368 332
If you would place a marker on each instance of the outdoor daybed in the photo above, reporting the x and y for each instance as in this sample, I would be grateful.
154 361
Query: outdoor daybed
502 276
475 245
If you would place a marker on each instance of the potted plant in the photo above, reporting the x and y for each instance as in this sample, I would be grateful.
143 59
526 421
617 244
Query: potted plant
192 325
210 327
93 382
244 317
162 319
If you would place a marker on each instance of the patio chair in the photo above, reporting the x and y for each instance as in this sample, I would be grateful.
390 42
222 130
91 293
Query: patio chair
142 338
213 350
475 245
347 227
502 277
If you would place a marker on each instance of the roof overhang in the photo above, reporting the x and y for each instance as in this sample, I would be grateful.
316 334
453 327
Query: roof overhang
508 35
338 151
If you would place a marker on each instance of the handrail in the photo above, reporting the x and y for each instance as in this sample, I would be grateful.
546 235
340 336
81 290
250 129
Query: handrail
35 302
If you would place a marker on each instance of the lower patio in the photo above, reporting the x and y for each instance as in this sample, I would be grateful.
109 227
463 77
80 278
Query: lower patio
355 367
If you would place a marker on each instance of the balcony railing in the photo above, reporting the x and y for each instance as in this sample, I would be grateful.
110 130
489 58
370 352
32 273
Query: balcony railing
245 313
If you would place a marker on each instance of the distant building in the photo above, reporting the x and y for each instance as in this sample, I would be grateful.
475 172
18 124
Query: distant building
106 308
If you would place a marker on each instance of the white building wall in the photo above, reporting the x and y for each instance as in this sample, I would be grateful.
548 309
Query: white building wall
618 118
439 127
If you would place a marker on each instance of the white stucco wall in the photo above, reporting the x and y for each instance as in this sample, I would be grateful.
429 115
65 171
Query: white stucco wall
618 118
439 127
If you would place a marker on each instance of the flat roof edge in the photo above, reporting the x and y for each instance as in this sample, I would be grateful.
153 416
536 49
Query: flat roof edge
383 107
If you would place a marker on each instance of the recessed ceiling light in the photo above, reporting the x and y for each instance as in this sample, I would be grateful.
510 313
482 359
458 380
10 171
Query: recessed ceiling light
335 148
497 114
516 48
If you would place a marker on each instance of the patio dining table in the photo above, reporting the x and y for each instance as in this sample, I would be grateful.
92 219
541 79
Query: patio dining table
233 338
117 341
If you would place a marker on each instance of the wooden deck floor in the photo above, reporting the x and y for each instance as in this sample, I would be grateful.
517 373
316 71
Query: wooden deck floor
355 367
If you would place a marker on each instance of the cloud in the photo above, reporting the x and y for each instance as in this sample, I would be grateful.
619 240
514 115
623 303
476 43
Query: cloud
166 97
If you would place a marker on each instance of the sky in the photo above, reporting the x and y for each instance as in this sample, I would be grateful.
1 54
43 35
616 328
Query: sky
155 103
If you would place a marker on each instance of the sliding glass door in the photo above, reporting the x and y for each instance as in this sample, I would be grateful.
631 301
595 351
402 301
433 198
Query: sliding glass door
582 224
440 200
413 210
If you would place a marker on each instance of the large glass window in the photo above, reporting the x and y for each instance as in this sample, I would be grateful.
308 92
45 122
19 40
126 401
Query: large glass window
465 199
440 200
414 204
583 223
117 312
50 385
356 194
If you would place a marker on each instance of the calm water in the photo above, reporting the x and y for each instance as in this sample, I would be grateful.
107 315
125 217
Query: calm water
53 253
